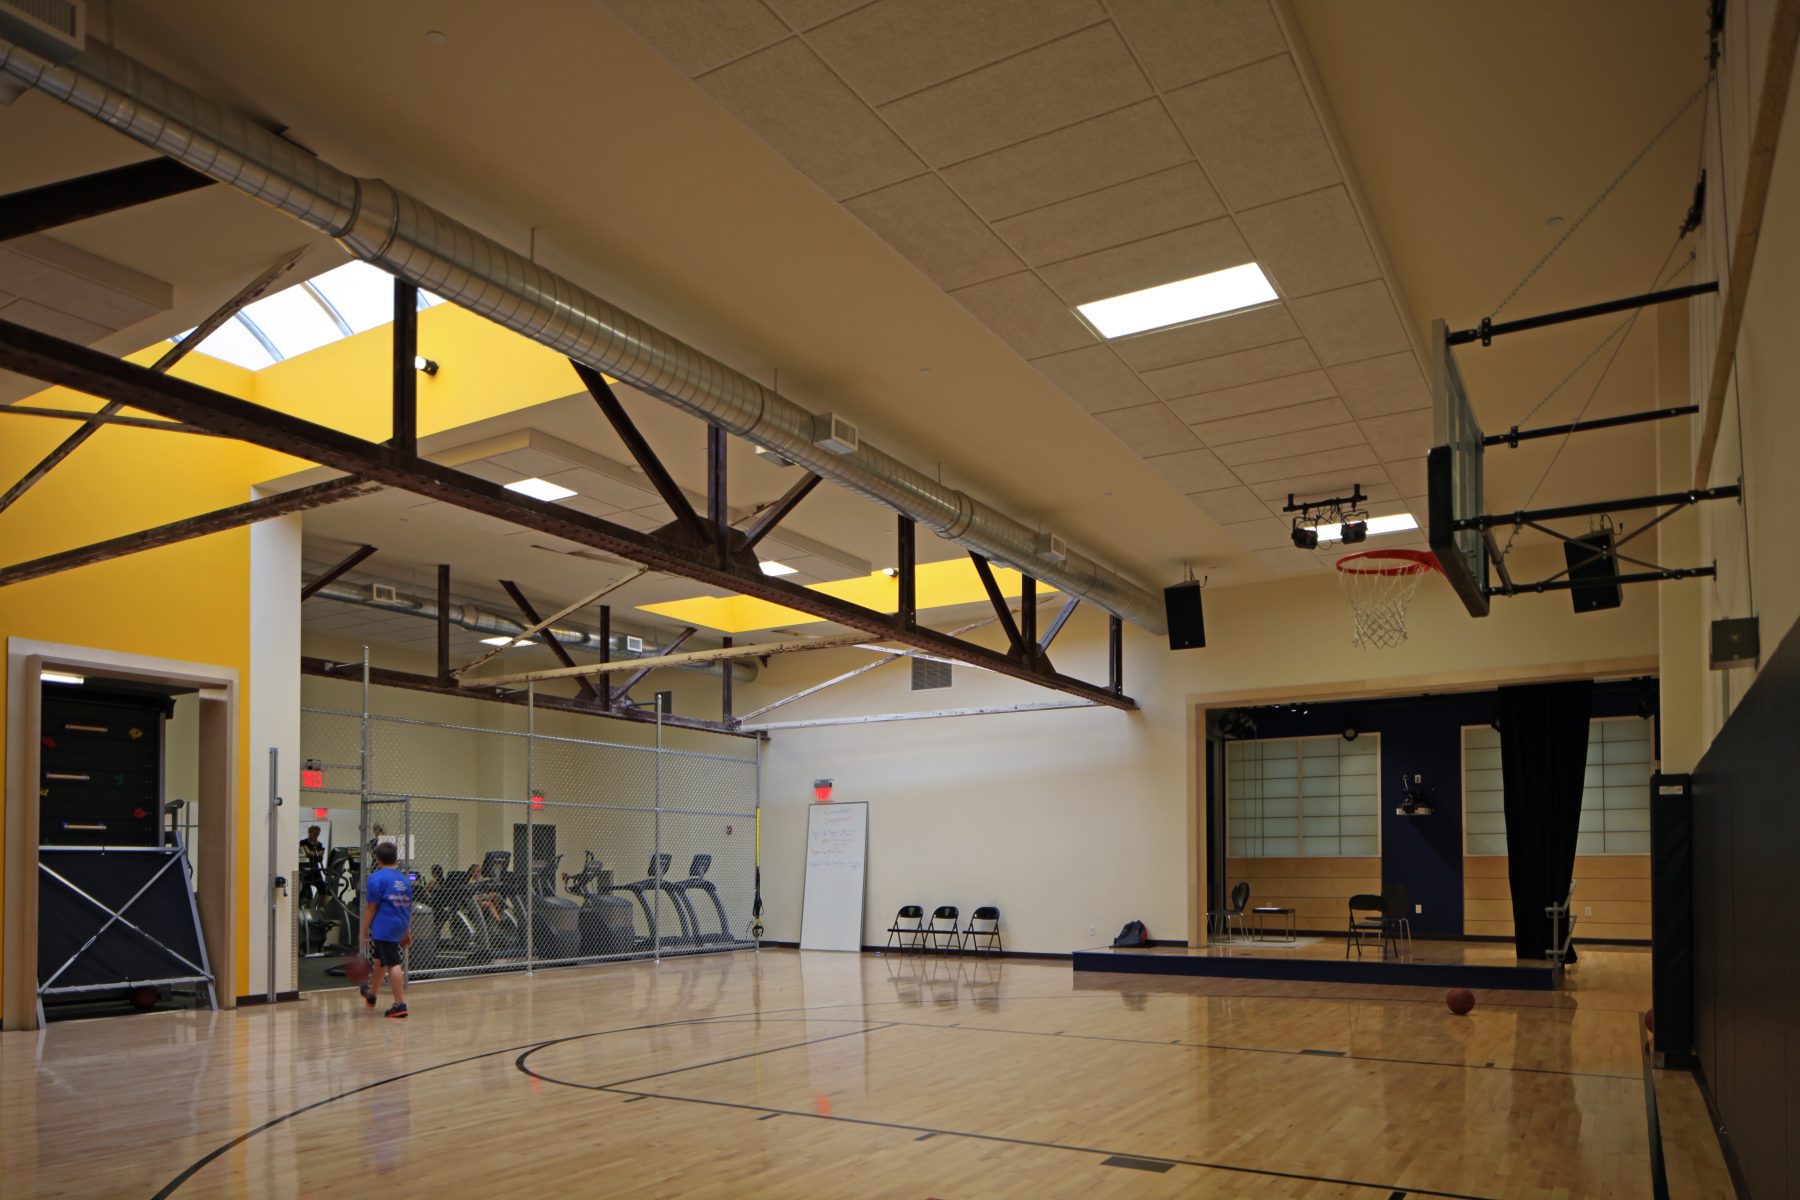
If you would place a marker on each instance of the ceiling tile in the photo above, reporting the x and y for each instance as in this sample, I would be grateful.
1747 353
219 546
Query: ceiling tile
790 99
1348 458
1149 429
1400 435
1209 339
1026 314
1113 216
1029 94
1287 560
1230 504
1252 397
1409 477
1274 422
642 520
1351 323
1094 378
54 322
1231 370
923 220
1391 383
698 38
1110 149
1193 470
1256 133
896 47
804 14
1373 480
1311 243
528 462
1181 41
606 490
591 507
1164 258
1266 533
1300 441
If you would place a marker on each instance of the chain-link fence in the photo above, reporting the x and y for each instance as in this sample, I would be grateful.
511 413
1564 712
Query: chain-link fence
532 842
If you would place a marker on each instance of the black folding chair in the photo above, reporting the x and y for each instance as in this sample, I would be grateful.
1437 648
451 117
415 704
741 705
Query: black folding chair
940 938
1218 920
1372 925
1396 918
910 937
990 916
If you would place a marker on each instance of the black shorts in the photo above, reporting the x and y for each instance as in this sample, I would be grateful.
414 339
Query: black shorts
385 953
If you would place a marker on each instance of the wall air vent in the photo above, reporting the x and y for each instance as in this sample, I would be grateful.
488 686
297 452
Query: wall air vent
929 673
634 645
384 593
1052 548
56 29
831 432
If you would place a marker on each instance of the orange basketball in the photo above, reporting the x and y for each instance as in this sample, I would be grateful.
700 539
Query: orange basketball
356 968
1459 1000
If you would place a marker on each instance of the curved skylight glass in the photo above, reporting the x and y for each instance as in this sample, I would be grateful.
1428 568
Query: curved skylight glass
346 300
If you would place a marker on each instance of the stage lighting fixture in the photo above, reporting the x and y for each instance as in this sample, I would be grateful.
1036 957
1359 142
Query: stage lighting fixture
1355 528
1306 537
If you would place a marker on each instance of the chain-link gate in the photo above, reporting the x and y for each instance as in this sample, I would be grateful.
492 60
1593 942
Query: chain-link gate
531 844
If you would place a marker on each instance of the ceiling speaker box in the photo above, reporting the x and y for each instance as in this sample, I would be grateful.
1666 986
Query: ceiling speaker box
1187 626
1735 643
1590 560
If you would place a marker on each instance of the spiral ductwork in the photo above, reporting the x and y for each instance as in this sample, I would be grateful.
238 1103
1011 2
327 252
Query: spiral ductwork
415 242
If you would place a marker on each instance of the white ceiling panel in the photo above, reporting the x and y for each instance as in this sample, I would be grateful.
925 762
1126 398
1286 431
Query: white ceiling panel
1311 243
1232 370
1095 379
930 225
1178 254
1302 441
1182 41
1252 397
1113 216
1273 422
1149 429
1350 323
1228 505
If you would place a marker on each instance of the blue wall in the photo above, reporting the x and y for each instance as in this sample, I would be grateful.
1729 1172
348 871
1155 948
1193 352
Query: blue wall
1422 735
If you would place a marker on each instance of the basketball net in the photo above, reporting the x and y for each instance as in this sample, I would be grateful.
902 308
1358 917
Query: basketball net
1380 584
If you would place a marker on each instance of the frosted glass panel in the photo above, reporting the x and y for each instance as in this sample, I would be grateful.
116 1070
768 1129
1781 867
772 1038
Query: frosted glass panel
1615 800
1284 796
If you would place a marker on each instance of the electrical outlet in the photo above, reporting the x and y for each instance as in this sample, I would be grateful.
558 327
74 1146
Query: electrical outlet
1092 932
1588 911
1418 908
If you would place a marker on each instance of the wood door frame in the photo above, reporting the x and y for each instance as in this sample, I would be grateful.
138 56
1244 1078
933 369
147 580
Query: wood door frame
216 881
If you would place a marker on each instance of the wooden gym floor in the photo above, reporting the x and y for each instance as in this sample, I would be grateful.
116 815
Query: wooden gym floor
800 1075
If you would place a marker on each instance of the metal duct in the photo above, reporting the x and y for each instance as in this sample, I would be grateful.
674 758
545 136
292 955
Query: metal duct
408 238
492 624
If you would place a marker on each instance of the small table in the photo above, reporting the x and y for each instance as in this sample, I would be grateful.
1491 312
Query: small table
1269 910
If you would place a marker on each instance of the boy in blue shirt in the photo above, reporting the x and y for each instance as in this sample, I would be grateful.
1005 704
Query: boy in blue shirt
387 926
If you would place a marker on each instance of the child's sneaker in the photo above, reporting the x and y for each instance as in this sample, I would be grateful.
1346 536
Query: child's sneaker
398 1012
368 997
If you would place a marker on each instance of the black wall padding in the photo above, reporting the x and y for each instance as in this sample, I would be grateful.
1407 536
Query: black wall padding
1543 757
1747 925
121 955
1672 916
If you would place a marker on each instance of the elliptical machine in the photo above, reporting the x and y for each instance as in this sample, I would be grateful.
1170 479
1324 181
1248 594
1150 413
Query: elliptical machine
604 920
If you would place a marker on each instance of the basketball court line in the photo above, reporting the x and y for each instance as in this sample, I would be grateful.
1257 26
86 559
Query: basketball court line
1100 1037
525 1049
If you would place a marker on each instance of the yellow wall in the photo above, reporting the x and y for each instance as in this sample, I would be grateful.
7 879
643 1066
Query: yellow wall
192 601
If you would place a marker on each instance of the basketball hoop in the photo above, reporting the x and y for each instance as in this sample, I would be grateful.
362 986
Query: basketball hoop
1379 585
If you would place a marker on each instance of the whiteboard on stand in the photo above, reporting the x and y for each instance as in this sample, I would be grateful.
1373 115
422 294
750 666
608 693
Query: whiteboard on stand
837 851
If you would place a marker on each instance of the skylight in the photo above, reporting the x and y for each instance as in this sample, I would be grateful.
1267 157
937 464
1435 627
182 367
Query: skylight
771 567
1180 302
1397 523
350 299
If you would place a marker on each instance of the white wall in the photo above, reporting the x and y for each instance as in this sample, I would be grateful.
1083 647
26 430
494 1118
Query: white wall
1079 820
274 700
1759 569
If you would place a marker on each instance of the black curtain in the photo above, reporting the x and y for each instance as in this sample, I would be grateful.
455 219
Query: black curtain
1543 753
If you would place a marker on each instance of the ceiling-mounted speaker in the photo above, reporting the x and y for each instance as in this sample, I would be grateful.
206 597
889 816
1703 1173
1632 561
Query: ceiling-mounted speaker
1181 607
1593 570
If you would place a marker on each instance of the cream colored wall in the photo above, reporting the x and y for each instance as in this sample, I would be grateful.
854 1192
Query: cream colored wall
1078 821
1759 570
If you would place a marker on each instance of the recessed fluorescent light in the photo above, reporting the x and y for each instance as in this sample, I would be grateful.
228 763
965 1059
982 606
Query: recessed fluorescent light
1179 302
61 677
775 568
505 641
1397 523
540 489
